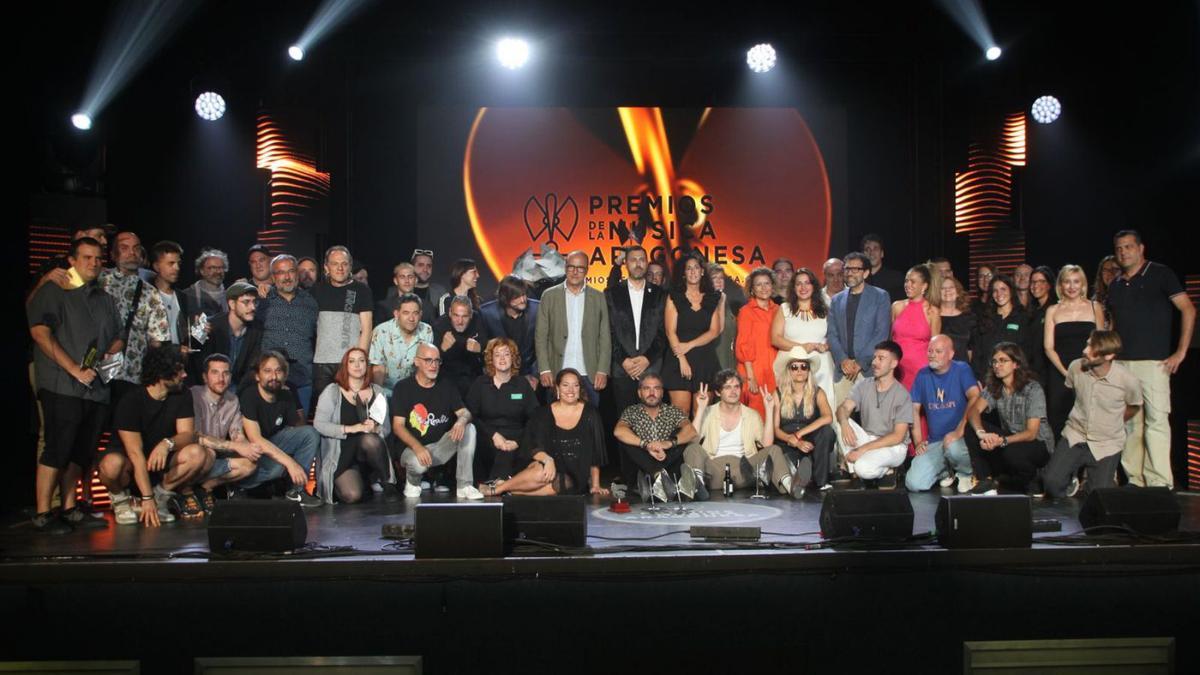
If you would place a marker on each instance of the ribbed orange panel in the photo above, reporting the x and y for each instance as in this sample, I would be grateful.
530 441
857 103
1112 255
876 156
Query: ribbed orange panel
1012 143
295 183
1193 456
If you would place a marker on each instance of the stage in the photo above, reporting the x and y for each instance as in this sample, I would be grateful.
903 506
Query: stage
643 587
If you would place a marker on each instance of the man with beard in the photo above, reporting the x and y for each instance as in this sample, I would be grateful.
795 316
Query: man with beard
229 457
272 421
236 334
874 449
1107 395
653 436
141 309
207 295
394 343
514 315
460 338
886 278
289 315
308 272
784 270
158 438
425 289
165 260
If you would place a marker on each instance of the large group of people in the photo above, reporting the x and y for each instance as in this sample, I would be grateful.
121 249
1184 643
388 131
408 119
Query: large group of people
793 382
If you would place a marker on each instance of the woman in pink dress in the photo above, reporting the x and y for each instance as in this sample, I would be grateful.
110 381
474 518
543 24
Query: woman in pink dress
915 320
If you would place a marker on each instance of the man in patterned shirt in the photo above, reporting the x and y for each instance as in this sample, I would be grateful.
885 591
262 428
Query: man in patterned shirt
140 308
290 325
394 343
653 435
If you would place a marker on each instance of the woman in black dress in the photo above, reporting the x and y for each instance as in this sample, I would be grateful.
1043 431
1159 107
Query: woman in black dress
695 318
958 321
1068 326
501 404
563 448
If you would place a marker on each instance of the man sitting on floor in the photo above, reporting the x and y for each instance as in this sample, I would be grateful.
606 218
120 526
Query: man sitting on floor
880 444
732 435
271 419
945 389
228 455
653 436
157 437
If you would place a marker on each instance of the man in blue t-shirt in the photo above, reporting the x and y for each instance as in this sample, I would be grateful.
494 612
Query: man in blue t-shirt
945 390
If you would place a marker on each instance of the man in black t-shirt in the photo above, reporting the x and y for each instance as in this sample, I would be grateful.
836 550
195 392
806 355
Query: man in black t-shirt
1141 302
431 421
272 420
344 318
155 423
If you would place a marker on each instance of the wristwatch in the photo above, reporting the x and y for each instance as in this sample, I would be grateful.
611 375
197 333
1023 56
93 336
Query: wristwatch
170 444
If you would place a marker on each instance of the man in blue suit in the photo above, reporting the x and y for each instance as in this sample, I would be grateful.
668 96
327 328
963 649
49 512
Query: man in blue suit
514 315
859 318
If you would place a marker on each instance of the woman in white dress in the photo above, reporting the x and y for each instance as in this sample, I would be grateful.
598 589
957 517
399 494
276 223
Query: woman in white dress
800 324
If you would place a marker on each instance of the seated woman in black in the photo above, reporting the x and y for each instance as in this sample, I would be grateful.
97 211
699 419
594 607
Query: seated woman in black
563 447
501 403
353 420
804 426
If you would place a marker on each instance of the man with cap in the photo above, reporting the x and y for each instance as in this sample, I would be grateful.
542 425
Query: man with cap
236 334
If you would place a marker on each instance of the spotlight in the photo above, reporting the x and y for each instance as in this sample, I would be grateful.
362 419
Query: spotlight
1046 109
82 121
210 106
992 53
296 52
513 53
761 58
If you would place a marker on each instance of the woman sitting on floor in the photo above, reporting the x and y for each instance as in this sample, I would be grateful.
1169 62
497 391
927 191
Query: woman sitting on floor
353 420
563 448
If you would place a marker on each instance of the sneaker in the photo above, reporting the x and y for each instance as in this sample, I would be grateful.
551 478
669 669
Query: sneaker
795 490
376 487
122 507
190 506
1036 489
412 491
687 482
234 493
965 483
987 486
888 482
468 492
51 523
78 519
1073 488
391 495
163 500
947 481
88 509
441 489
303 498
425 485
827 487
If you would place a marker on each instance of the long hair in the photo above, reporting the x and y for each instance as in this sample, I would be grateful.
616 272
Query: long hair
342 377
679 273
962 302
1048 275
1021 374
1101 295
457 270
818 303
789 402
990 308
489 365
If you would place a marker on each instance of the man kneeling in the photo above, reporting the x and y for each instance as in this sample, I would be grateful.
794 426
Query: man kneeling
220 429
875 449
734 438
156 432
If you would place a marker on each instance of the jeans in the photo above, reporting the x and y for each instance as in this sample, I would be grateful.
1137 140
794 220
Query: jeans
299 443
928 468
443 451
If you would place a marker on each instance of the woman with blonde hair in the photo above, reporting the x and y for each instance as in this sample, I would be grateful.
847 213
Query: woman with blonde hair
1068 325
803 426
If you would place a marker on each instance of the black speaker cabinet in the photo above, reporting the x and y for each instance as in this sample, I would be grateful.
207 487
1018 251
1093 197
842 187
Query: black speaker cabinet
460 530
1144 510
869 513
256 525
968 521
558 519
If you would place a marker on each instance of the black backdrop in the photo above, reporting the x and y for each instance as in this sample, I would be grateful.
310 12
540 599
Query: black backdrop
915 90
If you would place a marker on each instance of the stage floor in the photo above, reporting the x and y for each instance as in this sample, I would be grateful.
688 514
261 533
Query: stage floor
790 538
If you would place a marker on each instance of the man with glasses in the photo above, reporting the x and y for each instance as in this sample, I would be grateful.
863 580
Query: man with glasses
859 318
433 425
573 330
289 317
425 289
207 295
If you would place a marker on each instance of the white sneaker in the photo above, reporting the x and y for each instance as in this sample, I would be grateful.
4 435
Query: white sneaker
122 507
1073 488
469 492
412 491
947 481
786 481
162 499
425 485
441 489
965 484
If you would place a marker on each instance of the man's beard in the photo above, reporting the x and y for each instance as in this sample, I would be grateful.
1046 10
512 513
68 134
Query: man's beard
272 385
1087 365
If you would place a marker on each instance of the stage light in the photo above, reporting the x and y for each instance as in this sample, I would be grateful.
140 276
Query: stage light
512 53
992 53
761 58
296 52
81 121
1046 109
210 106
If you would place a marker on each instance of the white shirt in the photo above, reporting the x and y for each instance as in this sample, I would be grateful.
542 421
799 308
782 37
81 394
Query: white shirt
730 443
172 304
636 296
573 353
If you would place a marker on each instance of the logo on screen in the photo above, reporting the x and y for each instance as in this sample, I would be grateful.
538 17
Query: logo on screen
550 216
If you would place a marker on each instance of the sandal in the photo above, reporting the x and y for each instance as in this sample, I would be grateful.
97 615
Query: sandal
191 506
207 501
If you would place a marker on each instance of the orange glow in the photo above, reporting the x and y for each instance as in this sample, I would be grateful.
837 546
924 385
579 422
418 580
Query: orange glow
489 255
295 182
647 136
1012 144
983 200
1193 456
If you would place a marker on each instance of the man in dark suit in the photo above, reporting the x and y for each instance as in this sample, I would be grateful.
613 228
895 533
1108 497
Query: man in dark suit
236 334
859 318
635 313
514 315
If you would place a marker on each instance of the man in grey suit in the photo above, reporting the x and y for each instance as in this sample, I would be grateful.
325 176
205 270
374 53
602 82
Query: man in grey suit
573 331
859 318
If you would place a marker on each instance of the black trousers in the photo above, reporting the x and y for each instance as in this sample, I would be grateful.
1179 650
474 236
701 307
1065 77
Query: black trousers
73 427
813 466
322 377
1059 401
1068 459
1019 461
643 462
624 393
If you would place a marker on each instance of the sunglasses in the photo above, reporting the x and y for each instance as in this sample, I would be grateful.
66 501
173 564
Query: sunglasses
422 251
799 365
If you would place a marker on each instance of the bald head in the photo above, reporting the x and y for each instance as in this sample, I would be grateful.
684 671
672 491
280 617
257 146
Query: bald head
941 353
834 273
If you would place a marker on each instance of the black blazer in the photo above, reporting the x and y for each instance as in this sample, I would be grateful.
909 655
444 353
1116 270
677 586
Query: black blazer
241 370
653 339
